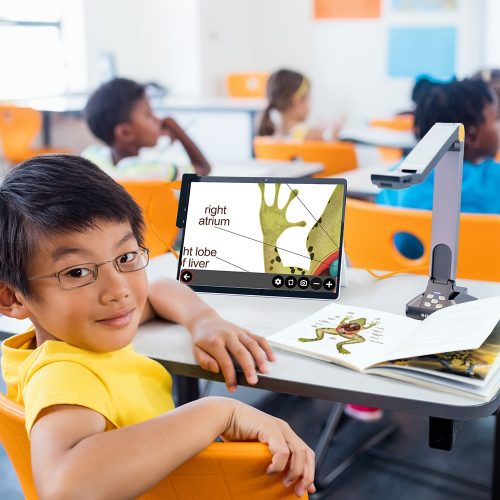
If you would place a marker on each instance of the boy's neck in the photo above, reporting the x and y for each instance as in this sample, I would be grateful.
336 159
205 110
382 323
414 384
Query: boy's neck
119 152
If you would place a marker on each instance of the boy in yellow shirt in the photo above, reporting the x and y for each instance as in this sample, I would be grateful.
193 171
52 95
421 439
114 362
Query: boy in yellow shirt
100 417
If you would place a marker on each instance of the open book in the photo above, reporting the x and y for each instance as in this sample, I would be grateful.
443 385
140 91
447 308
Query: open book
455 349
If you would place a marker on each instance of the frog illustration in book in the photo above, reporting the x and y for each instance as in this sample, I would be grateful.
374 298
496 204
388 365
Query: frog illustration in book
322 242
348 328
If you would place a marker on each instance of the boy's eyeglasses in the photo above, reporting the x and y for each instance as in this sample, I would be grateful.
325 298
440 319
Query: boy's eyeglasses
85 274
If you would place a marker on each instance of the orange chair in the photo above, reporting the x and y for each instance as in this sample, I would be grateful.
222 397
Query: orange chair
224 471
251 84
335 156
18 129
159 204
369 232
402 123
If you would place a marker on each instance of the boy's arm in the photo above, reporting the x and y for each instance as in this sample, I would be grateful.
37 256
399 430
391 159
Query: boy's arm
72 456
175 131
214 339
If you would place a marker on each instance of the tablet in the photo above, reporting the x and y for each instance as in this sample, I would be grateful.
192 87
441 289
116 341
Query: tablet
262 236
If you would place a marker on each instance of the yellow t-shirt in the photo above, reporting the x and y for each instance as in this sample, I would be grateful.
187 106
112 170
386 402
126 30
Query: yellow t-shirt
123 386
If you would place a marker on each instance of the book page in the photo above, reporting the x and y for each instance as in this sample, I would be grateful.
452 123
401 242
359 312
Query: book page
351 336
454 328
473 366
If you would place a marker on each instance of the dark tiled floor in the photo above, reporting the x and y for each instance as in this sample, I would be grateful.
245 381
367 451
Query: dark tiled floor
371 477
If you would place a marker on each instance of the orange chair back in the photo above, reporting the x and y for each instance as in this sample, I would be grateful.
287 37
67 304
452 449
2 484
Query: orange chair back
403 123
18 129
252 84
336 157
369 239
224 471
15 440
159 205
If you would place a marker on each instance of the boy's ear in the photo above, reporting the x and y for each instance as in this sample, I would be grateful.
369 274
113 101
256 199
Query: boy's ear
12 304
124 133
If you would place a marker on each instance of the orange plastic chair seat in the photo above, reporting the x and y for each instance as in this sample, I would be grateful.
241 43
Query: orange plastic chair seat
335 156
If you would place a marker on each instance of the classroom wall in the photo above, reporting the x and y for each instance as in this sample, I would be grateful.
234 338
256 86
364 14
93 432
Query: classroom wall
346 59
152 40
492 34
190 46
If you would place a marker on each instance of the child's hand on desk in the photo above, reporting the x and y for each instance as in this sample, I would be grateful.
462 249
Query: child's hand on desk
291 455
215 340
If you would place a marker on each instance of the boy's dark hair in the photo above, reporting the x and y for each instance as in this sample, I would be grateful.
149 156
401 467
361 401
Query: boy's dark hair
55 194
110 105
455 102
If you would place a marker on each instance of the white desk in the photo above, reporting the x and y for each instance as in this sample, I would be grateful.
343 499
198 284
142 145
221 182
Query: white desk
380 137
306 376
359 183
266 168
301 375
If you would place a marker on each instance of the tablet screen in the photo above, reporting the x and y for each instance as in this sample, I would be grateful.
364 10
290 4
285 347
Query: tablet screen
265 236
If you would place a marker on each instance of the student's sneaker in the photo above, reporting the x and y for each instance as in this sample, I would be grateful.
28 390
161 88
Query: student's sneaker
363 413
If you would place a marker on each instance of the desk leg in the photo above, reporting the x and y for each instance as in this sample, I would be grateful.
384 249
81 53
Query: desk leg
46 138
187 389
495 487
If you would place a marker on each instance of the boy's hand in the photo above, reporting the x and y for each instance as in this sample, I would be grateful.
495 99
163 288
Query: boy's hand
291 455
215 340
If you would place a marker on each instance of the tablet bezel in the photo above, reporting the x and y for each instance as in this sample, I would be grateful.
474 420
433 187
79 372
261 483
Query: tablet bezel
188 179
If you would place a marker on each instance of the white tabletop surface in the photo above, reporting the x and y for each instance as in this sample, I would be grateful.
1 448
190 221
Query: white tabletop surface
381 137
296 374
266 168
359 181
76 103
303 375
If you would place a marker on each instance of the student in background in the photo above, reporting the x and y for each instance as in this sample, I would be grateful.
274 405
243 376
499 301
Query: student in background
100 417
491 77
288 94
472 103
119 114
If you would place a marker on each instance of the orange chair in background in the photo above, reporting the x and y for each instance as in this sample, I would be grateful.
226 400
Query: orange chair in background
18 129
252 84
224 471
159 205
401 123
369 239
335 156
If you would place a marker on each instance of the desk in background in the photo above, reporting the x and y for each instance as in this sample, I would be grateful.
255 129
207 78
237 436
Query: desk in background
379 137
266 168
221 127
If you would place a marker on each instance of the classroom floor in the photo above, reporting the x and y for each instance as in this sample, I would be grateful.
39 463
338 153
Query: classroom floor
371 476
